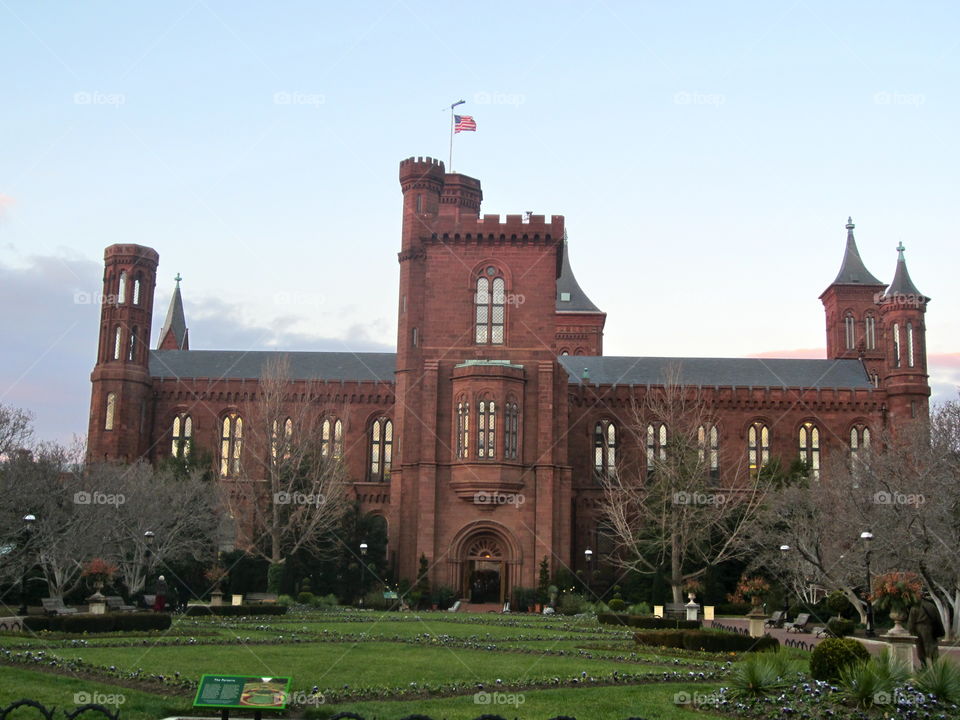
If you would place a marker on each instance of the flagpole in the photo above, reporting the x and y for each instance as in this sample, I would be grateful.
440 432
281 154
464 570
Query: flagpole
450 162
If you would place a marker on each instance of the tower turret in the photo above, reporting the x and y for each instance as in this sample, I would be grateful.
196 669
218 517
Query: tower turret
850 305
174 334
121 378
903 308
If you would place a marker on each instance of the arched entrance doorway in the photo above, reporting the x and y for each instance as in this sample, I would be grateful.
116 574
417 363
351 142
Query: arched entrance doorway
484 570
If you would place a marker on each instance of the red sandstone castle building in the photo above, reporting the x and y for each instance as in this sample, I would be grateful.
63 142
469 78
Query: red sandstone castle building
499 389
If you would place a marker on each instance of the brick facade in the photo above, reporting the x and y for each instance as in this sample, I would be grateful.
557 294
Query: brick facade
490 313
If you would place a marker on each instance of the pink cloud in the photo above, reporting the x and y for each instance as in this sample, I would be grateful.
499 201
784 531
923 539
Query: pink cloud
5 202
801 353
944 360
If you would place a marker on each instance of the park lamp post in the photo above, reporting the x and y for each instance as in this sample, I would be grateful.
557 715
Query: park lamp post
363 570
867 536
28 521
588 556
784 549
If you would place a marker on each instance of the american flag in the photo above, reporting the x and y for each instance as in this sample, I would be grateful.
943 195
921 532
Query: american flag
464 123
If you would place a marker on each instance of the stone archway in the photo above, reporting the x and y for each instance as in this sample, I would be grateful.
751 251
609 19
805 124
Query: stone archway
485 569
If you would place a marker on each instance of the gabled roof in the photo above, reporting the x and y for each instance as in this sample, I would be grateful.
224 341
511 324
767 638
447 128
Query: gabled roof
852 269
570 296
248 365
175 325
902 284
709 372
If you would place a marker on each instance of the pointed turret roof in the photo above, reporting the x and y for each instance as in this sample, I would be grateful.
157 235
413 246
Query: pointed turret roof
902 285
852 270
570 296
174 334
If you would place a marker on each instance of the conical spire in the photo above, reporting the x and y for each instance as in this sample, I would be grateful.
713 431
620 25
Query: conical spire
570 296
174 334
852 270
902 285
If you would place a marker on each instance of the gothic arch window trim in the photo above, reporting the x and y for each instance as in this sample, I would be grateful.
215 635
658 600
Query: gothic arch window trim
231 444
490 305
860 437
849 330
511 429
909 331
138 288
487 409
181 435
381 449
870 331
462 427
331 437
708 442
897 357
281 438
133 345
117 342
656 444
110 411
605 448
808 441
758 446
122 288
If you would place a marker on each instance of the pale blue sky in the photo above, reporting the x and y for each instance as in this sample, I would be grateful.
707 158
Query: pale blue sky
705 155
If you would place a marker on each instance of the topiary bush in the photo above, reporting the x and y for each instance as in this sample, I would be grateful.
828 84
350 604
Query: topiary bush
834 654
305 597
705 640
571 604
840 627
617 605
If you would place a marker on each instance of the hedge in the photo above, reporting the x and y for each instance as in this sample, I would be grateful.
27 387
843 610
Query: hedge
833 654
644 622
732 608
233 610
708 641
108 622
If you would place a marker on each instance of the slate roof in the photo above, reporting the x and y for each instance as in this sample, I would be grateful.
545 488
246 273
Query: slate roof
567 286
724 372
348 366
902 284
852 269
175 322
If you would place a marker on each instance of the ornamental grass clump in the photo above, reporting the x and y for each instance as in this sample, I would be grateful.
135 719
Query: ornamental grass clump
875 681
940 678
760 674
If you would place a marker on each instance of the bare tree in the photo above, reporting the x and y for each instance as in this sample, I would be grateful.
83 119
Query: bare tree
16 430
673 516
293 490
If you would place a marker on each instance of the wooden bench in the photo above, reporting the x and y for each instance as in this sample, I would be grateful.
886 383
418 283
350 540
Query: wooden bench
55 606
115 604
260 598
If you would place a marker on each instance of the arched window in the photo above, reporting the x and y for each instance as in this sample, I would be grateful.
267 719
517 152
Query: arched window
850 333
136 288
870 324
708 442
117 343
280 438
331 437
896 344
231 445
182 436
486 429
132 347
511 431
656 445
381 449
463 428
859 438
810 448
490 307
605 449
909 344
122 288
758 447
111 411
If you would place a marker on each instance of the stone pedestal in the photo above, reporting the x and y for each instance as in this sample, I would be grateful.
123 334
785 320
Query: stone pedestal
216 598
902 647
693 610
757 617
97 604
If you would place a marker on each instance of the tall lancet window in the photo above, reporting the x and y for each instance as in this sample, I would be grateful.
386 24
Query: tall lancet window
870 337
486 429
231 445
122 288
463 428
490 308
758 447
181 436
605 449
117 343
809 439
909 344
896 345
849 328
381 449
511 431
